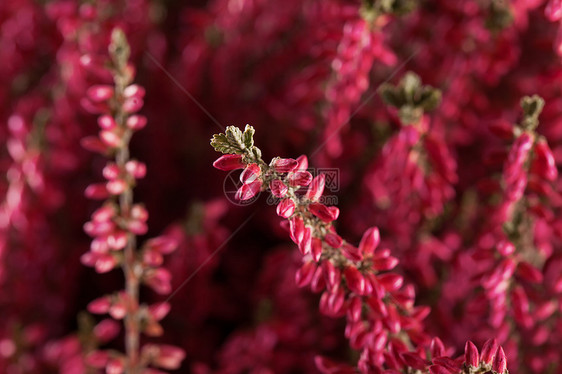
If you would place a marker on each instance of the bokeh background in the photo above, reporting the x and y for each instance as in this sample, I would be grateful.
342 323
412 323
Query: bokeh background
305 74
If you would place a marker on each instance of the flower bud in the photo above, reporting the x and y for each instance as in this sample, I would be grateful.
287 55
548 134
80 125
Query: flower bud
323 212
107 122
355 280
284 165
99 93
137 122
247 191
229 162
136 168
370 241
488 351
134 90
316 188
250 174
300 178
471 354
278 188
316 249
499 364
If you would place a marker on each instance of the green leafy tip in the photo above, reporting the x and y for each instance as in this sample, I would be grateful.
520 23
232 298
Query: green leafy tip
411 97
234 141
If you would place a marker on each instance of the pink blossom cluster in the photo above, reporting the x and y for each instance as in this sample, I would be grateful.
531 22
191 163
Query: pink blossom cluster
427 219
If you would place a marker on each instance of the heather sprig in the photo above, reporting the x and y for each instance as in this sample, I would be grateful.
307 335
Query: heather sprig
356 281
116 225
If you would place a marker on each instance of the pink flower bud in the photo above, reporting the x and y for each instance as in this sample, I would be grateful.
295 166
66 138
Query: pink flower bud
305 273
167 356
250 174
93 144
351 252
278 188
106 330
152 258
333 240
502 128
385 263
107 122
520 306
97 359
111 171
94 107
96 228
316 249
528 272
99 93
100 305
137 122
306 242
505 248
116 187
164 244
471 354
553 10
159 310
331 273
321 211
544 164
370 241
414 361
316 188
96 191
499 364
378 306
110 138
134 90
247 191
390 281
284 165
318 282
355 309
229 162
115 366
296 227
302 163
437 347
488 351
99 245
133 104
137 227
331 303
105 263
117 240
160 281
355 280
300 178
136 168
139 212
105 213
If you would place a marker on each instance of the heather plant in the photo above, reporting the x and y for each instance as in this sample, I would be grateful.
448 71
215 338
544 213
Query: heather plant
426 211
115 226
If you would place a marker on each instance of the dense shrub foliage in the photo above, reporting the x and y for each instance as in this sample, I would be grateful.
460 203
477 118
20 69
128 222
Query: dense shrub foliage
393 206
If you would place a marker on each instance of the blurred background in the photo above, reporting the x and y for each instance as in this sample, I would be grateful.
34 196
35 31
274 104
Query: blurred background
305 74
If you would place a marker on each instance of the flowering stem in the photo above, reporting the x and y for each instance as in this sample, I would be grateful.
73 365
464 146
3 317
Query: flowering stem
131 267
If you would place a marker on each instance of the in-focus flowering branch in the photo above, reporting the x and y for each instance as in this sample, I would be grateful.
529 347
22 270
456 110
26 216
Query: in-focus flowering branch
355 281
117 223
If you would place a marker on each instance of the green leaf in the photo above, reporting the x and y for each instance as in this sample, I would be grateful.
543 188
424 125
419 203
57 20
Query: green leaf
249 136
234 141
